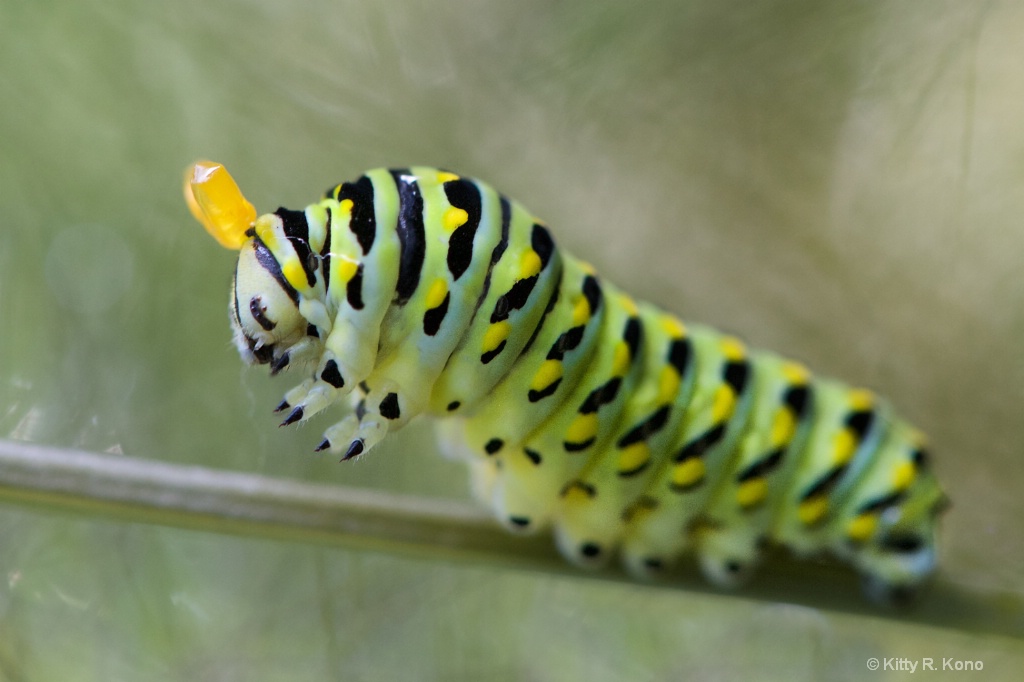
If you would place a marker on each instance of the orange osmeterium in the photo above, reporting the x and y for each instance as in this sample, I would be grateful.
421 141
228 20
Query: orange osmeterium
217 203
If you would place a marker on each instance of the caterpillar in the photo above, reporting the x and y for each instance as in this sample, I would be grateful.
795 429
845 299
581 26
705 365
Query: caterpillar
419 291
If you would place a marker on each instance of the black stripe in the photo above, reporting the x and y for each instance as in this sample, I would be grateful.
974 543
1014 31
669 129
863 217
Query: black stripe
645 429
493 353
411 235
536 396
578 447
296 228
547 311
493 445
354 289
515 299
860 422
542 243
266 259
736 373
882 503
592 292
325 251
901 543
506 220
632 335
234 297
533 455
679 355
602 395
465 195
432 318
797 398
496 254
762 467
565 343
364 217
824 484
698 446
635 470
594 401
588 489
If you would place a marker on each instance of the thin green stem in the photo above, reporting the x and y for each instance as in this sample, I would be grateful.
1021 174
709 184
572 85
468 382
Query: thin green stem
198 498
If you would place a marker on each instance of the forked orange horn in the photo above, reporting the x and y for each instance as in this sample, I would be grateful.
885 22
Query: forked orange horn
217 203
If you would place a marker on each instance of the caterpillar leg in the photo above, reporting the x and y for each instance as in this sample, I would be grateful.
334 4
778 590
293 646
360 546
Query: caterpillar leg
451 440
653 538
894 567
304 353
385 407
526 489
589 525
317 393
728 555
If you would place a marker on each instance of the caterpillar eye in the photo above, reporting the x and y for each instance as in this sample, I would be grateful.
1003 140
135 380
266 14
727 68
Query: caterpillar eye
259 313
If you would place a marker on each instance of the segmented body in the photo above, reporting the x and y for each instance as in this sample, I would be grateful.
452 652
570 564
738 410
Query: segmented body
576 407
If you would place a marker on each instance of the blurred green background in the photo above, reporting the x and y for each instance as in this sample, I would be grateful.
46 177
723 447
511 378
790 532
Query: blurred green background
840 181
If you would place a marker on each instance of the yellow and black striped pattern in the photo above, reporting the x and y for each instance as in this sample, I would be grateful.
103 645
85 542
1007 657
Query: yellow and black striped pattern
614 423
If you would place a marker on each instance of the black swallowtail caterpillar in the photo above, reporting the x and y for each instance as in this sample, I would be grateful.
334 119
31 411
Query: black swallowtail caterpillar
419 291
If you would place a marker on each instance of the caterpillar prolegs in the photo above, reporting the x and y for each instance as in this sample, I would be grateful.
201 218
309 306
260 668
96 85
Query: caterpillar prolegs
417 291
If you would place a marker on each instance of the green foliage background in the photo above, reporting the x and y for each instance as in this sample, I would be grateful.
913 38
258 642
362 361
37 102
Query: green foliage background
838 180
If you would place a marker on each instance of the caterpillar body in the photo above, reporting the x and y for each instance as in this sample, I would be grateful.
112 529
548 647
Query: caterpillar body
417 291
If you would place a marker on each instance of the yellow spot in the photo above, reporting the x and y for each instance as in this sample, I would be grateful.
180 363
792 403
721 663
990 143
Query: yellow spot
346 206
673 327
575 494
844 443
639 510
582 429
634 456
453 218
580 312
724 405
445 176
266 230
688 473
293 272
620 363
529 265
438 290
733 348
216 202
629 305
783 428
862 527
347 268
668 384
861 399
495 334
587 267
812 509
752 492
903 475
550 372
795 373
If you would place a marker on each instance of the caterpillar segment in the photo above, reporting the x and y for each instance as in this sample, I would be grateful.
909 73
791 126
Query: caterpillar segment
624 430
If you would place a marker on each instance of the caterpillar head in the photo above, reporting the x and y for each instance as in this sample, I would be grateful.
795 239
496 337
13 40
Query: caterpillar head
264 309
